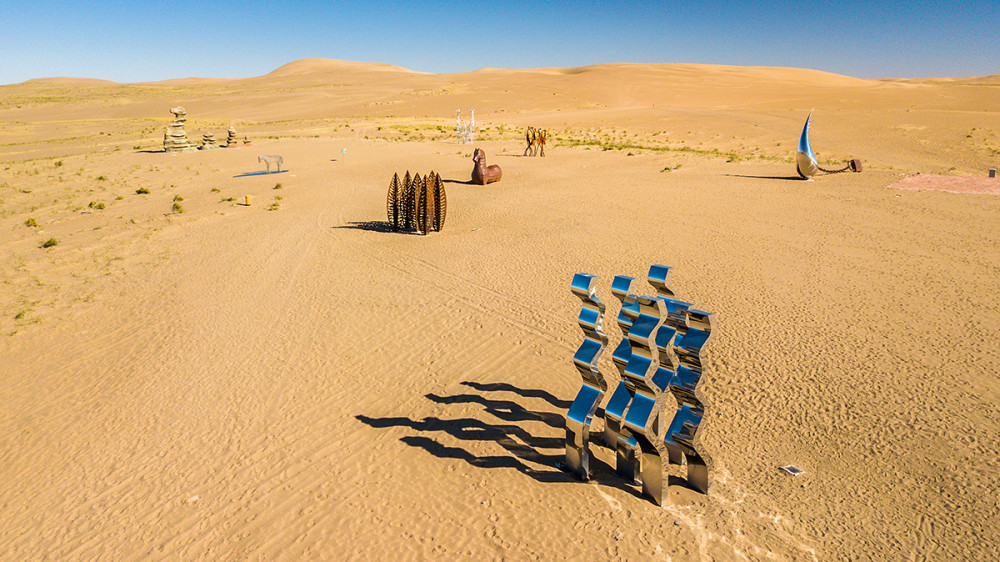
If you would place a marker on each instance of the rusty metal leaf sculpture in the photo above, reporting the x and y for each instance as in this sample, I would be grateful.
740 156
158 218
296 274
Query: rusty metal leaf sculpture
420 198
418 203
431 202
392 202
409 201
440 203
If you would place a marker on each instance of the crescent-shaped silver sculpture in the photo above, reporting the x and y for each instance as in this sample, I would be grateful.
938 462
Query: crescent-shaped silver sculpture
581 412
805 160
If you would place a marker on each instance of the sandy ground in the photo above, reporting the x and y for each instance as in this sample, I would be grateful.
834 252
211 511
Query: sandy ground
291 380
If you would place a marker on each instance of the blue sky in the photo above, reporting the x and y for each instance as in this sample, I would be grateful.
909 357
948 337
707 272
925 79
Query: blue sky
140 41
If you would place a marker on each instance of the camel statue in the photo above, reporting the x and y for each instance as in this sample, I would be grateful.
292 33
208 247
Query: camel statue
535 138
481 173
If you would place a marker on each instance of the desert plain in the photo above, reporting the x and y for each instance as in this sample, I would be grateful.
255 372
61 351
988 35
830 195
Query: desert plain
184 376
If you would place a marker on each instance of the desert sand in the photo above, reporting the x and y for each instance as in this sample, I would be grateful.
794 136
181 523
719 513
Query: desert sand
292 380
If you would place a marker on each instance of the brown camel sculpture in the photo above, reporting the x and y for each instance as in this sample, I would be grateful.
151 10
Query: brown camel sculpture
530 139
481 173
541 141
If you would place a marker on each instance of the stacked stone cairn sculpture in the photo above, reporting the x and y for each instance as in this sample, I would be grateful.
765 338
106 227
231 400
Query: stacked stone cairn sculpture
655 408
208 142
417 203
175 138
231 139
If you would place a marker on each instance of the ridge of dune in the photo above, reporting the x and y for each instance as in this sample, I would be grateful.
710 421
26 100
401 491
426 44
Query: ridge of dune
318 65
70 81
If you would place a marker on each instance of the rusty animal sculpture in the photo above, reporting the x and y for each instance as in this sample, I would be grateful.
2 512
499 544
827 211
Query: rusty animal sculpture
417 203
530 139
481 173
535 139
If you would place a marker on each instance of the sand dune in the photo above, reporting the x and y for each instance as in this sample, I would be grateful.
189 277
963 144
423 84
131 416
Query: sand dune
233 382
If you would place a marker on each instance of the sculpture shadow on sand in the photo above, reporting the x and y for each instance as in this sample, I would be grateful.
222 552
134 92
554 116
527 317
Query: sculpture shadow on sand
537 456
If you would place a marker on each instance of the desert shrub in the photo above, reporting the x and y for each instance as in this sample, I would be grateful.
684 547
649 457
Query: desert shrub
215 190
277 185
177 207
101 178
142 191
31 222
178 198
49 243
96 205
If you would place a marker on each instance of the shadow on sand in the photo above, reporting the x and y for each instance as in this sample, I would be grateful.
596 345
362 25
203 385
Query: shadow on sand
796 178
524 450
259 174
376 226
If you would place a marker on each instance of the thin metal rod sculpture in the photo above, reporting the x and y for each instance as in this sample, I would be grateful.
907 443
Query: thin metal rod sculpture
641 417
419 203
466 133
581 412
626 462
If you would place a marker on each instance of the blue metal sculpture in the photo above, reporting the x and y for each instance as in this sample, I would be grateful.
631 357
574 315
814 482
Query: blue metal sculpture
658 357
805 160
581 412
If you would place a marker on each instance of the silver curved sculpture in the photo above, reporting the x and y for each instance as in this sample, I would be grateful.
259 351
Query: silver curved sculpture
680 435
642 416
581 412
626 462
805 160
